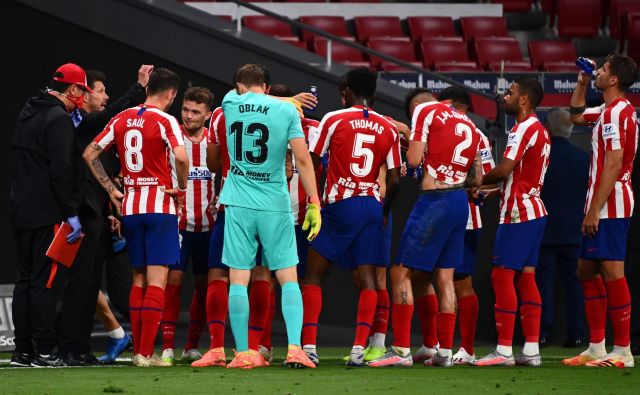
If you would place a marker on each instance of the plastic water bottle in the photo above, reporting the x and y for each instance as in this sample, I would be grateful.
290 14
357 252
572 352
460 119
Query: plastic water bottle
314 91
586 66
118 244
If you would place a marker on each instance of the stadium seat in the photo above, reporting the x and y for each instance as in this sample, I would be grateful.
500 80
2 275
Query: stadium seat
430 26
491 51
560 67
511 67
227 18
617 15
633 35
436 50
578 18
378 27
268 26
342 53
330 24
545 53
483 26
293 41
452 67
402 50
483 106
514 5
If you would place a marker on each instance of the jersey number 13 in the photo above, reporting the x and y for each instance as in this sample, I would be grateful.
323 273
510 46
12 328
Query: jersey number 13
259 134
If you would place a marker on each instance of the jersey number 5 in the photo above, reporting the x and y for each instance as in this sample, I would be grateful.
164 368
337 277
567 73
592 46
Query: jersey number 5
259 142
133 150
359 151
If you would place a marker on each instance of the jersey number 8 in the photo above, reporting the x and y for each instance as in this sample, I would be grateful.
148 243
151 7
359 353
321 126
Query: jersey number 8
133 150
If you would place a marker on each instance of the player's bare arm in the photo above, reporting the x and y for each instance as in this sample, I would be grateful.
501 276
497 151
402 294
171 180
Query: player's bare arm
307 100
578 99
288 165
214 162
499 173
415 153
392 188
304 163
91 156
403 129
474 175
610 172
182 172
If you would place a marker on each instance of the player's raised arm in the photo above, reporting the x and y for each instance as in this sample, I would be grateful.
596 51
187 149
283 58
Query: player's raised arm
578 103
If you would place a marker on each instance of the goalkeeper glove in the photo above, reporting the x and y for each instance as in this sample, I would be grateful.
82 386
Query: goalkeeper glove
312 219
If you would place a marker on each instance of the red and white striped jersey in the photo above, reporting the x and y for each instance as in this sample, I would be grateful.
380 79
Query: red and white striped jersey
451 141
296 190
144 136
528 145
616 127
195 215
218 136
359 141
475 221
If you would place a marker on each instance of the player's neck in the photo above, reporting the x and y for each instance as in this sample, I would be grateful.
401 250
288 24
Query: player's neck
610 95
255 89
361 101
156 101
194 135
524 113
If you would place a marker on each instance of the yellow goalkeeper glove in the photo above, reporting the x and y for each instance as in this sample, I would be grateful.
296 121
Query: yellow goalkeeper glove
312 219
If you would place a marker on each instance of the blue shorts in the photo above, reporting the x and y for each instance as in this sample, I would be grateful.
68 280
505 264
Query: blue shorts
471 240
518 245
433 237
610 243
347 262
196 246
217 242
152 239
351 226
302 245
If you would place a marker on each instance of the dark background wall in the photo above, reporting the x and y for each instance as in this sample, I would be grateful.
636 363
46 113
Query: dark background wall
35 44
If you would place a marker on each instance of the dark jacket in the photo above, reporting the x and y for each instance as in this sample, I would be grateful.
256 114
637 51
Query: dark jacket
564 193
46 179
92 124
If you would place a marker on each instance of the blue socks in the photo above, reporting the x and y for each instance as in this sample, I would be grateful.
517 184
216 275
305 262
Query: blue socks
239 315
291 310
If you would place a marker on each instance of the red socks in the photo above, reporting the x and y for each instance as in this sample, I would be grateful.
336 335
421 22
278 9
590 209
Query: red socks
312 301
366 310
401 324
595 306
217 307
427 307
530 307
170 315
619 302
446 327
506 304
151 314
259 303
135 308
381 316
265 340
197 317
468 317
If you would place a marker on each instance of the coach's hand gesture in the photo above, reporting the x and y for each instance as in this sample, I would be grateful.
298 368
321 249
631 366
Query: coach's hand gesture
143 74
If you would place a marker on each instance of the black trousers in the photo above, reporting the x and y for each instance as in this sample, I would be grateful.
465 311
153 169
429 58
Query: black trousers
81 292
34 301
118 279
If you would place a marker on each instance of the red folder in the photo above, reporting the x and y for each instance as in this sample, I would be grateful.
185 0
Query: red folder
60 250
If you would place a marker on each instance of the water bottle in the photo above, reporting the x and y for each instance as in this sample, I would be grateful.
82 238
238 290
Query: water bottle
314 91
586 66
118 244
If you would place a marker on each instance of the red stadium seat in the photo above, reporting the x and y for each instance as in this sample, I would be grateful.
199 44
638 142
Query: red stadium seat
511 67
617 15
514 5
452 67
227 18
579 18
490 51
293 41
483 106
483 26
378 27
633 35
543 53
330 24
437 50
268 26
560 67
342 53
430 26
402 50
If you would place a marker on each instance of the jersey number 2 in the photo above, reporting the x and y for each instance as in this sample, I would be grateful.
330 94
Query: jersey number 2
133 150
260 142
462 130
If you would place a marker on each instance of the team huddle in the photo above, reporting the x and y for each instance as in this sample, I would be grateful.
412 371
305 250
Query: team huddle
267 216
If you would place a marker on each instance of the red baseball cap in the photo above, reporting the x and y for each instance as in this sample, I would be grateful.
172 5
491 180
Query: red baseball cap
71 73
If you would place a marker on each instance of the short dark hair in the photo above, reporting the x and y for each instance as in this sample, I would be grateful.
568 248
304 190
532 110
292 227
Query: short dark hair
623 67
162 80
199 95
281 90
410 96
94 76
362 82
531 87
457 95
249 75
267 75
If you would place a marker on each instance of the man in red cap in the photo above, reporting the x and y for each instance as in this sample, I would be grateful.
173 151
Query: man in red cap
45 191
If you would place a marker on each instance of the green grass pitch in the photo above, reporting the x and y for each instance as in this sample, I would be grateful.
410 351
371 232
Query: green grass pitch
332 377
